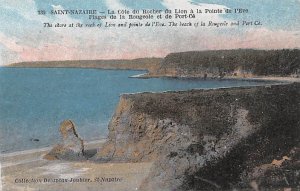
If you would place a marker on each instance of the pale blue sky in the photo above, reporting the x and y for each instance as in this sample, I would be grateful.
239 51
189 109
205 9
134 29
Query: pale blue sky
22 37
275 13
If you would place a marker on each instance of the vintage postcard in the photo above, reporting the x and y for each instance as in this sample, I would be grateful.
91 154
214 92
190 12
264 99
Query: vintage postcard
161 95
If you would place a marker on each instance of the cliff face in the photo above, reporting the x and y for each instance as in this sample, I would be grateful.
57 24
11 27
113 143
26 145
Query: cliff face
207 139
241 63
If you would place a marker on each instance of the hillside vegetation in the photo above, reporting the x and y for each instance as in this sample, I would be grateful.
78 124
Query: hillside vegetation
149 64
232 62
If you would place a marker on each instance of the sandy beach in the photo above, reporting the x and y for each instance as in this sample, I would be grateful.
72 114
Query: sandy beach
278 79
252 78
27 170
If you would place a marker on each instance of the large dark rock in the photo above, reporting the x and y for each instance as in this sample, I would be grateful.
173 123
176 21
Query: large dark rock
71 146
209 139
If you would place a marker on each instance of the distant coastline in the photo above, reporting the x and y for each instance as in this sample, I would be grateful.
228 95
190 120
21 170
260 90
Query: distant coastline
229 64
149 64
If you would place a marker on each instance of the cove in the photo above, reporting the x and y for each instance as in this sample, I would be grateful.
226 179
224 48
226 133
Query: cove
33 101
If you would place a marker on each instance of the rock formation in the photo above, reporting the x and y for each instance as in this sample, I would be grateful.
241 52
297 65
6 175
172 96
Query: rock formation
71 146
208 139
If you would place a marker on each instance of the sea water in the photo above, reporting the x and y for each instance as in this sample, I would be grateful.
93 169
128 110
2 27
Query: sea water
34 101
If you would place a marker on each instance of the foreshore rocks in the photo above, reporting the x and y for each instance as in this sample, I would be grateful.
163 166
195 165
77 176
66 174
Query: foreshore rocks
209 139
71 146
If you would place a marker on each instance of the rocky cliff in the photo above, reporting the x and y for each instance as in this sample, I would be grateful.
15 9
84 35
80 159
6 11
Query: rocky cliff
210 139
222 63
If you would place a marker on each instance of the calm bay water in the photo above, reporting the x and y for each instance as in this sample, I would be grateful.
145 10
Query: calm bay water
33 102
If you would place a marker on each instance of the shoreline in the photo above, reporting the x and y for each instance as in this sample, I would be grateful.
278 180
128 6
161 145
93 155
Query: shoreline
30 151
148 75
254 78
33 155
36 173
